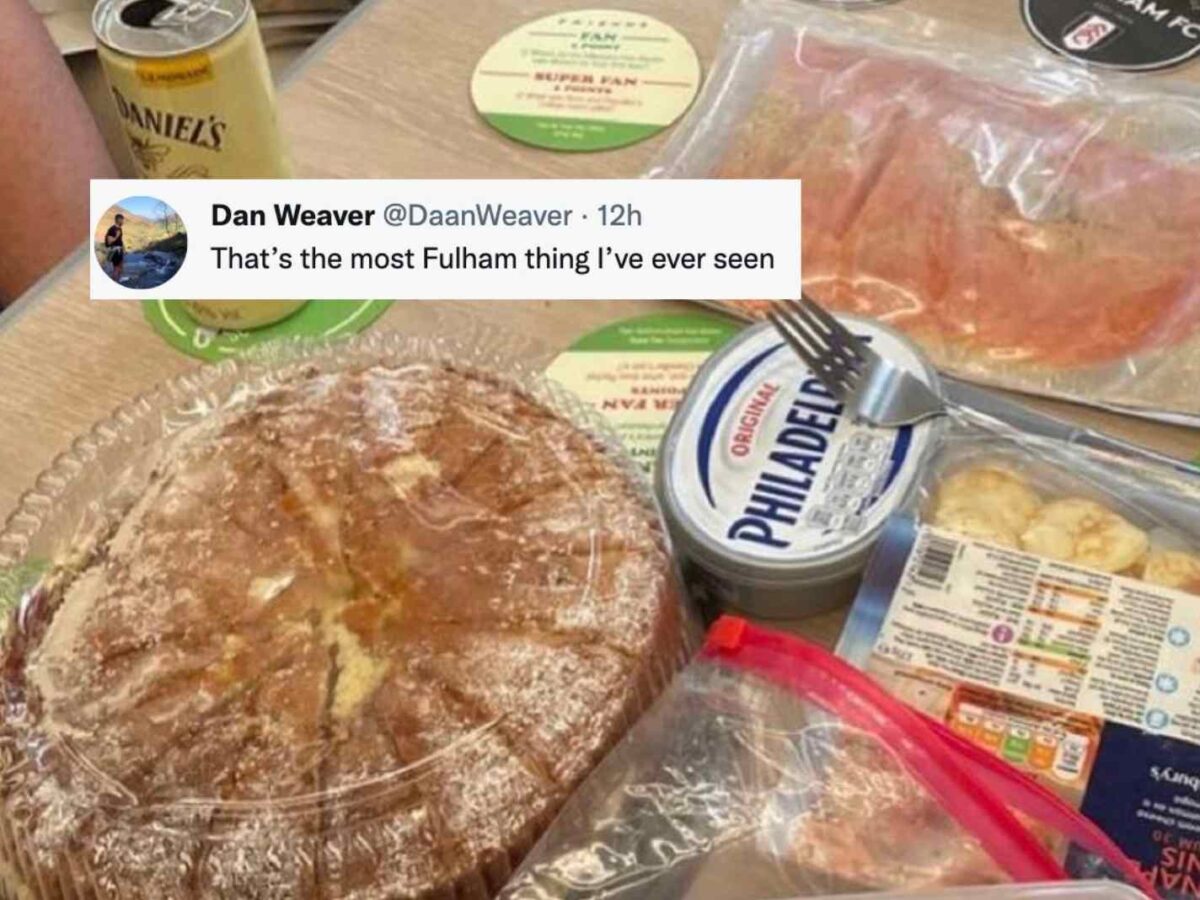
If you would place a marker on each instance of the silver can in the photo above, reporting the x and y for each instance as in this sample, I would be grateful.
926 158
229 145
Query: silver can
773 493
190 82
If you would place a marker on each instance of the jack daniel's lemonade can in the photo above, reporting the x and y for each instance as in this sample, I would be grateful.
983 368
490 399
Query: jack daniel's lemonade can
192 88
191 85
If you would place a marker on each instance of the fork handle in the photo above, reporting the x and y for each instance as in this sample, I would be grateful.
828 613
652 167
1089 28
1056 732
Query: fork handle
1097 440
1020 416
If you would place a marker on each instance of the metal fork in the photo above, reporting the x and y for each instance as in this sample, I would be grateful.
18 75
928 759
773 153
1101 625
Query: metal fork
875 389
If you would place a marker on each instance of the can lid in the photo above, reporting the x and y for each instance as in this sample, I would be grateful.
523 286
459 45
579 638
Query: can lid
763 474
151 28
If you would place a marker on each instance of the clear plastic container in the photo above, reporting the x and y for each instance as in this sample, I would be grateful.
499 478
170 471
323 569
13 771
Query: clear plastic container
1070 890
344 620
1040 599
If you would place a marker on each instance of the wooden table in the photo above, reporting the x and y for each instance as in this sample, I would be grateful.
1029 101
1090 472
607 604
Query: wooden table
383 96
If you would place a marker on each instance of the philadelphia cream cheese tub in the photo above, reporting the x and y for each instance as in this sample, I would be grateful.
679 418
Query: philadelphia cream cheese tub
773 492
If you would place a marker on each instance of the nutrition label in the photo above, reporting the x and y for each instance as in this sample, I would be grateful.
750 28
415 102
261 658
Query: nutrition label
1077 639
858 476
1046 742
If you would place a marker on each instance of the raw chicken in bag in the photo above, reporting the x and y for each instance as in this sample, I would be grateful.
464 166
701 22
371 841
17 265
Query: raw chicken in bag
773 769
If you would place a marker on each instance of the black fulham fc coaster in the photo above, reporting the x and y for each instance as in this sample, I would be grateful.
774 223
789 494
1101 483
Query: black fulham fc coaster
1134 35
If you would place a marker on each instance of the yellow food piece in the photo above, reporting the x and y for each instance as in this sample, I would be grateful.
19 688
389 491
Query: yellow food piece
1138 568
404 472
973 523
986 502
1083 532
1173 568
1049 540
359 675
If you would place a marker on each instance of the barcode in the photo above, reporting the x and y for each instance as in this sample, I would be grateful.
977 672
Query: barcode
936 556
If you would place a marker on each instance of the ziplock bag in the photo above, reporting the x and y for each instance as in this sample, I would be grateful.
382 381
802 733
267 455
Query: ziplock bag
1057 890
772 769
1031 222
1041 600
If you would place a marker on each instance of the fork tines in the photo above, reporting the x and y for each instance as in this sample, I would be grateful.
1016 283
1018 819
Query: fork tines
835 356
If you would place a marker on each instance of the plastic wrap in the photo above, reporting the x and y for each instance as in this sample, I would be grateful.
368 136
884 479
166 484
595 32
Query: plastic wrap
1031 222
993 481
1059 890
1040 600
772 769
339 621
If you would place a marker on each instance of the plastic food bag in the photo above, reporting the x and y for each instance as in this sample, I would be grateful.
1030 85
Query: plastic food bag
772 769
1042 602
1056 890
1032 223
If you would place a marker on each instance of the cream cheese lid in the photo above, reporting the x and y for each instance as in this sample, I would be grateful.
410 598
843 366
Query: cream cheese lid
764 472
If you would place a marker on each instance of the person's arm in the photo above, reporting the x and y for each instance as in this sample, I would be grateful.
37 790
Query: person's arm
49 149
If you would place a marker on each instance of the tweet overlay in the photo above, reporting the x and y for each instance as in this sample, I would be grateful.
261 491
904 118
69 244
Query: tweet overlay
454 239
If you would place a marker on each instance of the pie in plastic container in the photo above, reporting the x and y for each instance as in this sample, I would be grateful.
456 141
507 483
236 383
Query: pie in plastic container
343 621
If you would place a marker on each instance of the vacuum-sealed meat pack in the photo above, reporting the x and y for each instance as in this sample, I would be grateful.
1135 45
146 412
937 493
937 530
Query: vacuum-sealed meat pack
1030 221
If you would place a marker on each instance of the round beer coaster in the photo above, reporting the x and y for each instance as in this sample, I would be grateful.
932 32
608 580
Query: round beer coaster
634 372
317 318
591 79
1134 35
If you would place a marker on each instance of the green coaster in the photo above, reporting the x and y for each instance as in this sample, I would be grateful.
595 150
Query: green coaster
587 79
634 372
14 582
317 318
